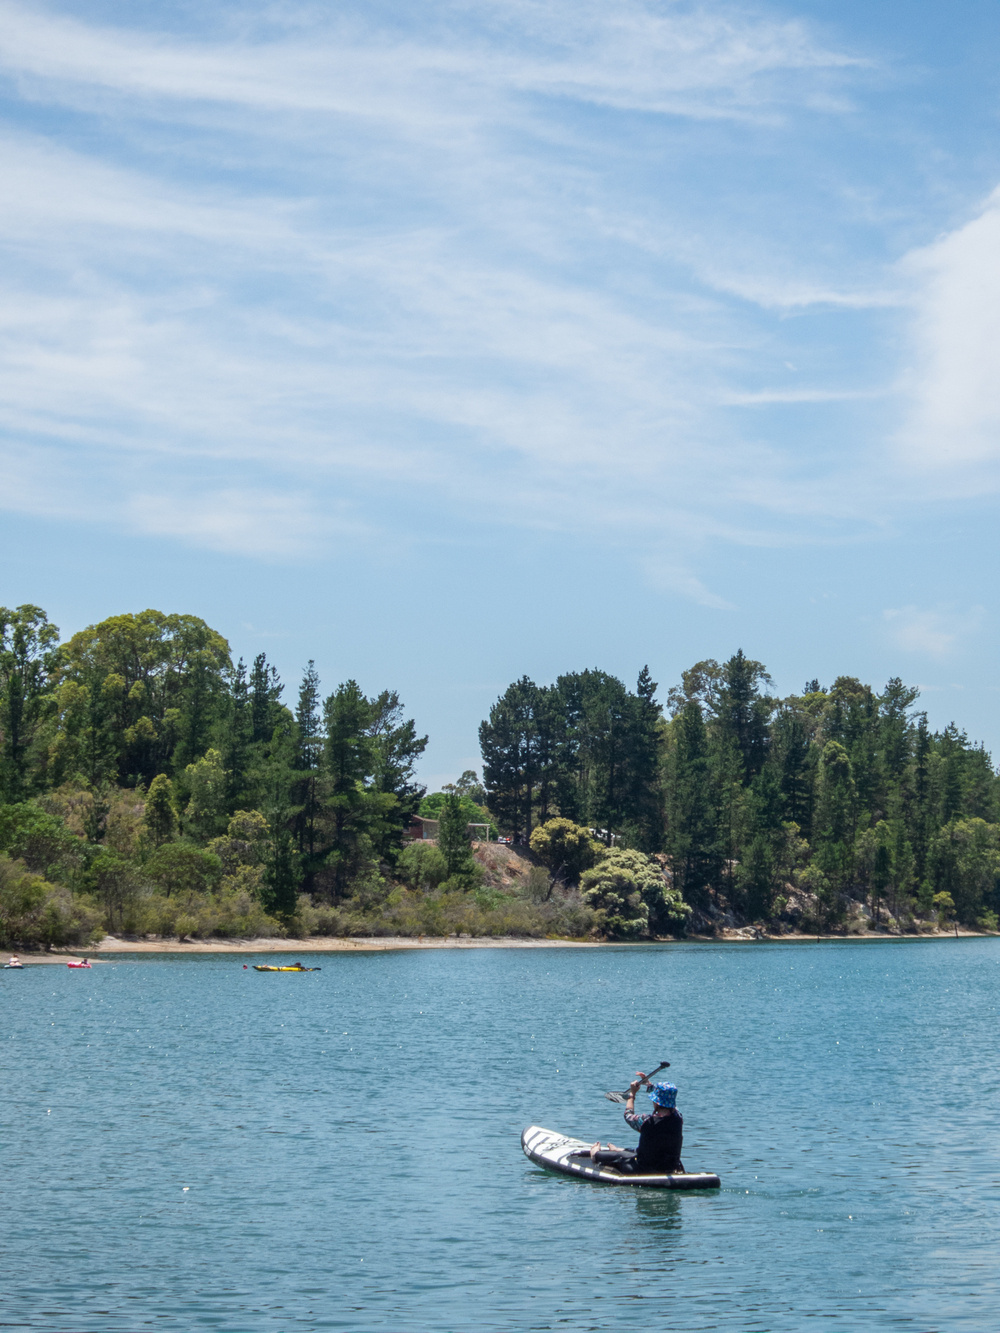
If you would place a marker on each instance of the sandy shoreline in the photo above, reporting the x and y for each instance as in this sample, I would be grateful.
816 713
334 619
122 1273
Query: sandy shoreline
336 944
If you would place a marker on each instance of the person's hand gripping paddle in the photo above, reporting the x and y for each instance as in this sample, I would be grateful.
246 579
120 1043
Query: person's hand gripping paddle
623 1096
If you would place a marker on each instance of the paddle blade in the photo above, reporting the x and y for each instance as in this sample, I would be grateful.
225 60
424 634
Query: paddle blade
617 1096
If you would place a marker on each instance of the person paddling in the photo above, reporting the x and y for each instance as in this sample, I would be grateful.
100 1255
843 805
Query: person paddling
661 1135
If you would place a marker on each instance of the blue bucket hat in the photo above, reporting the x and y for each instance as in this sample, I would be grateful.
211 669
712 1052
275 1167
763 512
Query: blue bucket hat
663 1094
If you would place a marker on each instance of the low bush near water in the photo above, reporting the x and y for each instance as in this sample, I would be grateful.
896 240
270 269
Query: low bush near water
36 914
224 915
480 914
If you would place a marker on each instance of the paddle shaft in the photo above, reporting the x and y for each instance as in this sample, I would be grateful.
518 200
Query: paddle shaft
623 1096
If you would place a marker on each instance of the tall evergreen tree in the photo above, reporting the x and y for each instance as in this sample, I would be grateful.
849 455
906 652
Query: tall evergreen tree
853 721
600 735
918 815
549 733
396 747
236 737
836 815
265 700
794 753
743 711
645 814
349 762
692 836
28 661
895 747
453 839
762 839
510 769
305 790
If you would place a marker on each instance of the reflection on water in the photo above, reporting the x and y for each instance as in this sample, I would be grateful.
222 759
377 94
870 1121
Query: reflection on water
191 1146
660 1211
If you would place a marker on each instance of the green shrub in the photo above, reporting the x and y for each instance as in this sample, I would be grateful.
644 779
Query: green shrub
115 883
179 867
629 888
421 865
446 912
226 914
40 839
246 842
36 914
613 892
944 904
566 848
538 885
160 815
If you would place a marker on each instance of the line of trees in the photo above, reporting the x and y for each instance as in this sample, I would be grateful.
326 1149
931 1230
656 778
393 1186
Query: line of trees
759 806
146 775
586 749
137 752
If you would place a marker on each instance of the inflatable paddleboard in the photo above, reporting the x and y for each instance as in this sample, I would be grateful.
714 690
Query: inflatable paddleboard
570 1157
266 967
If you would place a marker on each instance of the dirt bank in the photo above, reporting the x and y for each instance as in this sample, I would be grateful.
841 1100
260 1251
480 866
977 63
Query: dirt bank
111 946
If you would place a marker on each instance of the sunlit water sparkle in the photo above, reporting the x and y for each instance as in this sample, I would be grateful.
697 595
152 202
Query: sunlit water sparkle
188 1145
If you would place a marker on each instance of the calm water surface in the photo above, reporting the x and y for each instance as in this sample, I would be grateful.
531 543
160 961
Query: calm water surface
190 1146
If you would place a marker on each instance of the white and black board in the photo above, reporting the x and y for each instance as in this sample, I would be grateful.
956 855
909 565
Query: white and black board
558 1152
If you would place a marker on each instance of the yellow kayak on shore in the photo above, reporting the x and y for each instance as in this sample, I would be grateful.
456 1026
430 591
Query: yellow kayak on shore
296 967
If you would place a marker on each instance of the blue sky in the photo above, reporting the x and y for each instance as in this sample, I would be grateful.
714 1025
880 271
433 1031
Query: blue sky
451 342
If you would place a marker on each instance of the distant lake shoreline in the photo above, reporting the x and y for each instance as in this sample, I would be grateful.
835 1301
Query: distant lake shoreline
375 944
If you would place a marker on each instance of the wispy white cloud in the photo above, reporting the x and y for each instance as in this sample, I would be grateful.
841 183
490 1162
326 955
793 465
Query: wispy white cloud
243 522
147 499
704 62
769 397
346 254
933 633
668 576
954 382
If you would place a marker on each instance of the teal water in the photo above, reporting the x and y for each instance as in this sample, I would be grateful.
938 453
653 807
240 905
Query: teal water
187 1145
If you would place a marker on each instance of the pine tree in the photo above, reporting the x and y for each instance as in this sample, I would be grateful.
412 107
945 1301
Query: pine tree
692 836
28 661
791 738
762 841
236 738
510 769
644 810
454 842
282 876
742 712
305 796
918 815
349 764
836 816
265 700
549 734
396 747
600 719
